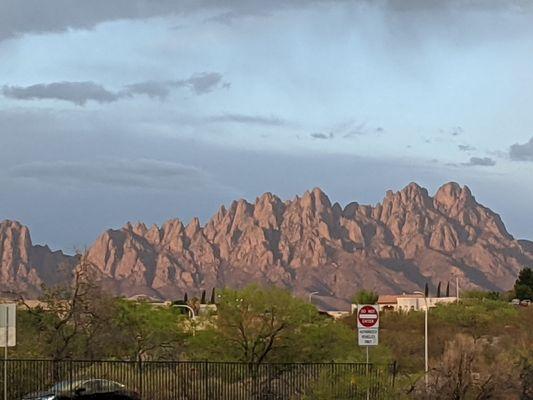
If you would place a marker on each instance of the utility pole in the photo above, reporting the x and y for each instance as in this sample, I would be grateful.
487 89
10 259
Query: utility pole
6 339
426 356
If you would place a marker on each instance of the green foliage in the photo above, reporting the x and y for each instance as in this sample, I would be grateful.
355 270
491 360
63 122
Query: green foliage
257 325
365 297
147 332
524 285
481 294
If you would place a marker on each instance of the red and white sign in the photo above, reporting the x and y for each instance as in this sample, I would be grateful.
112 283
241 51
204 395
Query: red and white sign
367 316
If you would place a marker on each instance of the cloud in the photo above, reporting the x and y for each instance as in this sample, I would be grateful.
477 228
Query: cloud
319 135
478 161
126 173
249 119
76 92
19 17
522 152
201 83
152 89
466 147
80 93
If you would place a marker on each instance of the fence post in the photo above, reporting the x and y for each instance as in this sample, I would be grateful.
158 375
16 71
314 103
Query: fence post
140 376
206 383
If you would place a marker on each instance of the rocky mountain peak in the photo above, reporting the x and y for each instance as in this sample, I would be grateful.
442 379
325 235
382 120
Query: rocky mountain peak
451 195
305 244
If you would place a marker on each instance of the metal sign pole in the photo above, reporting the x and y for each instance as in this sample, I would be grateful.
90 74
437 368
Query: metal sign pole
367 377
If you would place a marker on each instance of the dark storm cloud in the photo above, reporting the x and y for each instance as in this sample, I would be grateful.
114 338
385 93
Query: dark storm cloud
81 92
522 152
76 92
480 161
36 16
437 5
138 173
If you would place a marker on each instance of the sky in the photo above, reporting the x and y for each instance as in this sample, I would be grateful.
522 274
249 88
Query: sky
146 110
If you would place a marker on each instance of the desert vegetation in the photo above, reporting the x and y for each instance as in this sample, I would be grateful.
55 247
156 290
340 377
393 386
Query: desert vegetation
480 348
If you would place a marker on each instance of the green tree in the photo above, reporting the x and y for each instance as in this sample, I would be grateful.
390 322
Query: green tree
257 325
365 297
146 332
524 285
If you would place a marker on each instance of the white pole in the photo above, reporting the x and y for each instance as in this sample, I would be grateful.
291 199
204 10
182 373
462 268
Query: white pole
426 343
5 352
457 287
426 367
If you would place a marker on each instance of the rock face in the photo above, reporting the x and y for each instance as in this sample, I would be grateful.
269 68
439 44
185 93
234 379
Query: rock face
306 244
24 268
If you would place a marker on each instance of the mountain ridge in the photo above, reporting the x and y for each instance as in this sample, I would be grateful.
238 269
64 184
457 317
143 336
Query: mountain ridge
305 244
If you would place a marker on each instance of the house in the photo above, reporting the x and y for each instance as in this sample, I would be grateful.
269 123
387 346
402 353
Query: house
407 302
410 302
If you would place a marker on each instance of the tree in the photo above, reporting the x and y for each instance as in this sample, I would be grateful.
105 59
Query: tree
72 316
524 285
257 325
365 297
146 332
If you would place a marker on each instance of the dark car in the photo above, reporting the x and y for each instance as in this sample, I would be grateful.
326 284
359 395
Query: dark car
86 389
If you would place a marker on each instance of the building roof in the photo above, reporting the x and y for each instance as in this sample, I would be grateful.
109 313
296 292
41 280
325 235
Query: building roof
388 299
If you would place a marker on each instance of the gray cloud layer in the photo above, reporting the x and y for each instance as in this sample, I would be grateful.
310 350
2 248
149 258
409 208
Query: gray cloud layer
128 173
480 161
18 17
522 152
81 92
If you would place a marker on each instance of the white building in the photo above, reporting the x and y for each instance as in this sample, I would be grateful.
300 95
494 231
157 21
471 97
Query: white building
410 302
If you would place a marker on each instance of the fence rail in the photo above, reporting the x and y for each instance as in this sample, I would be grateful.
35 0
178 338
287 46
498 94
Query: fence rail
202 380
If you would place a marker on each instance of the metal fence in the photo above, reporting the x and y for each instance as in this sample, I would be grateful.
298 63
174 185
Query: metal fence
169 380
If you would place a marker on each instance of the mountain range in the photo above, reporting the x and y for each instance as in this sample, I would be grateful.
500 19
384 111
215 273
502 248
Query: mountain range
306 244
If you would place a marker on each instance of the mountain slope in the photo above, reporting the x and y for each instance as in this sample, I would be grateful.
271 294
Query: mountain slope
308 244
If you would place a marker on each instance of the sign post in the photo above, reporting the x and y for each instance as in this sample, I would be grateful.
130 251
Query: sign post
8 336
368 330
